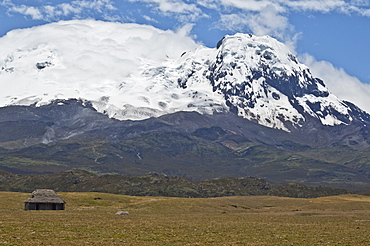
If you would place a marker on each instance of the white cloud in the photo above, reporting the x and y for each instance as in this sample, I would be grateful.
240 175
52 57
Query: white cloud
361 11
233 22
33 12
74 9
252 5
98 5
271 17
324 6
174 6
267 21
181 10
68 9
150 19
112 18
90 59
191 10
360 2
287 6
209 4
317 5
185 30
344 86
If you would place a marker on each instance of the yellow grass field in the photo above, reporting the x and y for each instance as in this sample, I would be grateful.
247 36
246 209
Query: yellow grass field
89 219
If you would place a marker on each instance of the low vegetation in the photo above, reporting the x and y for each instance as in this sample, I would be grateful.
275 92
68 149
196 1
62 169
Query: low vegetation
154 184
89 219
205 154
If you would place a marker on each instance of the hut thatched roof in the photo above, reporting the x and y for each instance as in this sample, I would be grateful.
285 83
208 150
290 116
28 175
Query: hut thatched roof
44 196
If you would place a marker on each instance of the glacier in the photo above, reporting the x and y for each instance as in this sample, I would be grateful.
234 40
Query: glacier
134 72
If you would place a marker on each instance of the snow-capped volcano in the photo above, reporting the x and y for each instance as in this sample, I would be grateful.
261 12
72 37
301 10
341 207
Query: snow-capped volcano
129 71
264 81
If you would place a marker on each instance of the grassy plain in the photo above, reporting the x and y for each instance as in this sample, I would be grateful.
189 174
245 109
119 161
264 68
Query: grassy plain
89 219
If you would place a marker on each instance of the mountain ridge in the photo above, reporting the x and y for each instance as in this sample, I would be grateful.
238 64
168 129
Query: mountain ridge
154 184
244 108
185 144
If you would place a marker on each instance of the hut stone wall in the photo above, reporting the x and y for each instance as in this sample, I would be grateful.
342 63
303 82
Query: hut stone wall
43 206
44 199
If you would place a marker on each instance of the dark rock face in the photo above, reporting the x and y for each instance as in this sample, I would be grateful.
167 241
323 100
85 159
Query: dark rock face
42 65
71 134
282 124
54 122
252 75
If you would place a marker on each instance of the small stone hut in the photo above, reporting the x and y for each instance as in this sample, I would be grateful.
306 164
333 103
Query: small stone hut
44 199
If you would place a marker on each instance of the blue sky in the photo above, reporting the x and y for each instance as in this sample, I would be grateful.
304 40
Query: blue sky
335 31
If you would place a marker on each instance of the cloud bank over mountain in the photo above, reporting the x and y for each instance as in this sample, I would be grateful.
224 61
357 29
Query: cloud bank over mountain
344 86
259 13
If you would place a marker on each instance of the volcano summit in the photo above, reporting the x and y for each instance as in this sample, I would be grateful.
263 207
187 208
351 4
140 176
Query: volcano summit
126 86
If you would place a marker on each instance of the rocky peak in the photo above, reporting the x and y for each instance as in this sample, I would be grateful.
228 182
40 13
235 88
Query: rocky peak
264 82
259 78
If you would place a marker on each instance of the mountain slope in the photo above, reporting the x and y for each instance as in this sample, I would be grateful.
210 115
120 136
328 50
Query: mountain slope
69 134
110 98
136 72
